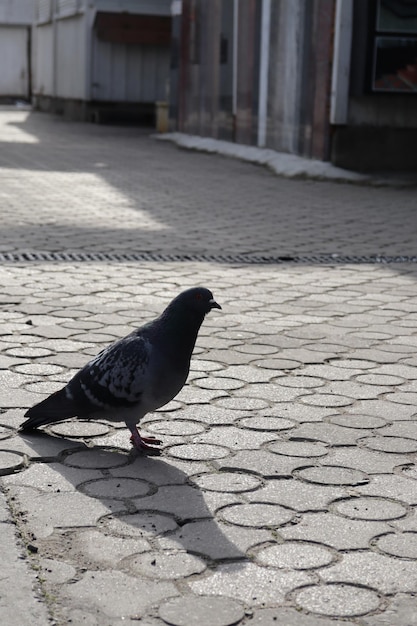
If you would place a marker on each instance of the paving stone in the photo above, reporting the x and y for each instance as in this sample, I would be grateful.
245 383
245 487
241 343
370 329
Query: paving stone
80 429
358 421
242 403
197 451
91 547
329 433
118 488
184 501
116 594
369 461
261 462
96 458
235 438
215 540
334 531
10 462
231 482
292 617
331 475
165 565
327 400
401 611
391 444
256 515
46 511
56 572
296 494
250 583
295 555
144 524
177 427
211 611
159 471
52 477
340 600
391 486
382 572
367 508
299 412
19 602
402 545
265 423
298 449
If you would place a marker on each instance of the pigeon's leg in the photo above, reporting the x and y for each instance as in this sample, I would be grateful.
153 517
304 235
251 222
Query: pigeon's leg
141 443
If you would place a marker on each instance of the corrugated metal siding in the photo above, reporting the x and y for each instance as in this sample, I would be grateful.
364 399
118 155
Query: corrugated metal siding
129 73
71 58
43 66
17 12
14 75
44 10
67 7
142 7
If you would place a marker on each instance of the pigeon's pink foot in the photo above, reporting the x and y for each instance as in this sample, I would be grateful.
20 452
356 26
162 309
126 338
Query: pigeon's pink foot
141 443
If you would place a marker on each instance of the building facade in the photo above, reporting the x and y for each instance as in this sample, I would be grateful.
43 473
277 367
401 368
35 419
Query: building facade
328 79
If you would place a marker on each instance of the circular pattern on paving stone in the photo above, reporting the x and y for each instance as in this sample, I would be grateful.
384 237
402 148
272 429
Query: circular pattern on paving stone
354 364
402 397
396 445
80 429
332 475
96 458
219 382
337 600
166 565
256 514
228 482
358 421
5 432
175 427
298 448
201 610
379 379
295 555
266 423
38 369
403 545
256 348
369 508
29 353
327 399
117 488
197 452
142 524
10 462
278 364
302 382
242 404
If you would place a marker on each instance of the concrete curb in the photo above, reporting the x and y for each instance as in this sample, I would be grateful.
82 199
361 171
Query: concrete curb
282 164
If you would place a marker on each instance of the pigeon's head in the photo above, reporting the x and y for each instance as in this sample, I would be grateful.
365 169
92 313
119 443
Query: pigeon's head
198 299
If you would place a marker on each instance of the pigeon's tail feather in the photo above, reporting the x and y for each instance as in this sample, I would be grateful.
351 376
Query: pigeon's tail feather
53 409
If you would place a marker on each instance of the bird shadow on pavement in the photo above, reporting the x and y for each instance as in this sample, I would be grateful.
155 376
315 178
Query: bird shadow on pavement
68 487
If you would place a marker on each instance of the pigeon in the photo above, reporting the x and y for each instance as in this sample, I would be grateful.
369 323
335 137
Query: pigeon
135 375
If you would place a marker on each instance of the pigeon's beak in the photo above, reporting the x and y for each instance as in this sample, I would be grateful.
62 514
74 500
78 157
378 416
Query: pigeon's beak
214 305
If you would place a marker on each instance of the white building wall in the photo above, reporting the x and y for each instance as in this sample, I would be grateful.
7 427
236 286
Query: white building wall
71 58
129 73
43 59
16 12
14 75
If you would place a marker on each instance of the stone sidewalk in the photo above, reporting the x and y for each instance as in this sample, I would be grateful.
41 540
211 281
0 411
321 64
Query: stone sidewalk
286 492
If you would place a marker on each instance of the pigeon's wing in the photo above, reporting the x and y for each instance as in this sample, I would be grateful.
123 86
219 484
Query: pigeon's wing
115 378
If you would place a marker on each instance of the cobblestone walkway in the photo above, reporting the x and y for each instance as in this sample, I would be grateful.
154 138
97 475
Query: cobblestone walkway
287 488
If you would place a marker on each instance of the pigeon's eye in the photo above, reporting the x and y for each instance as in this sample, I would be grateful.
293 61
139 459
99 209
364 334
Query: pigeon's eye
198 296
